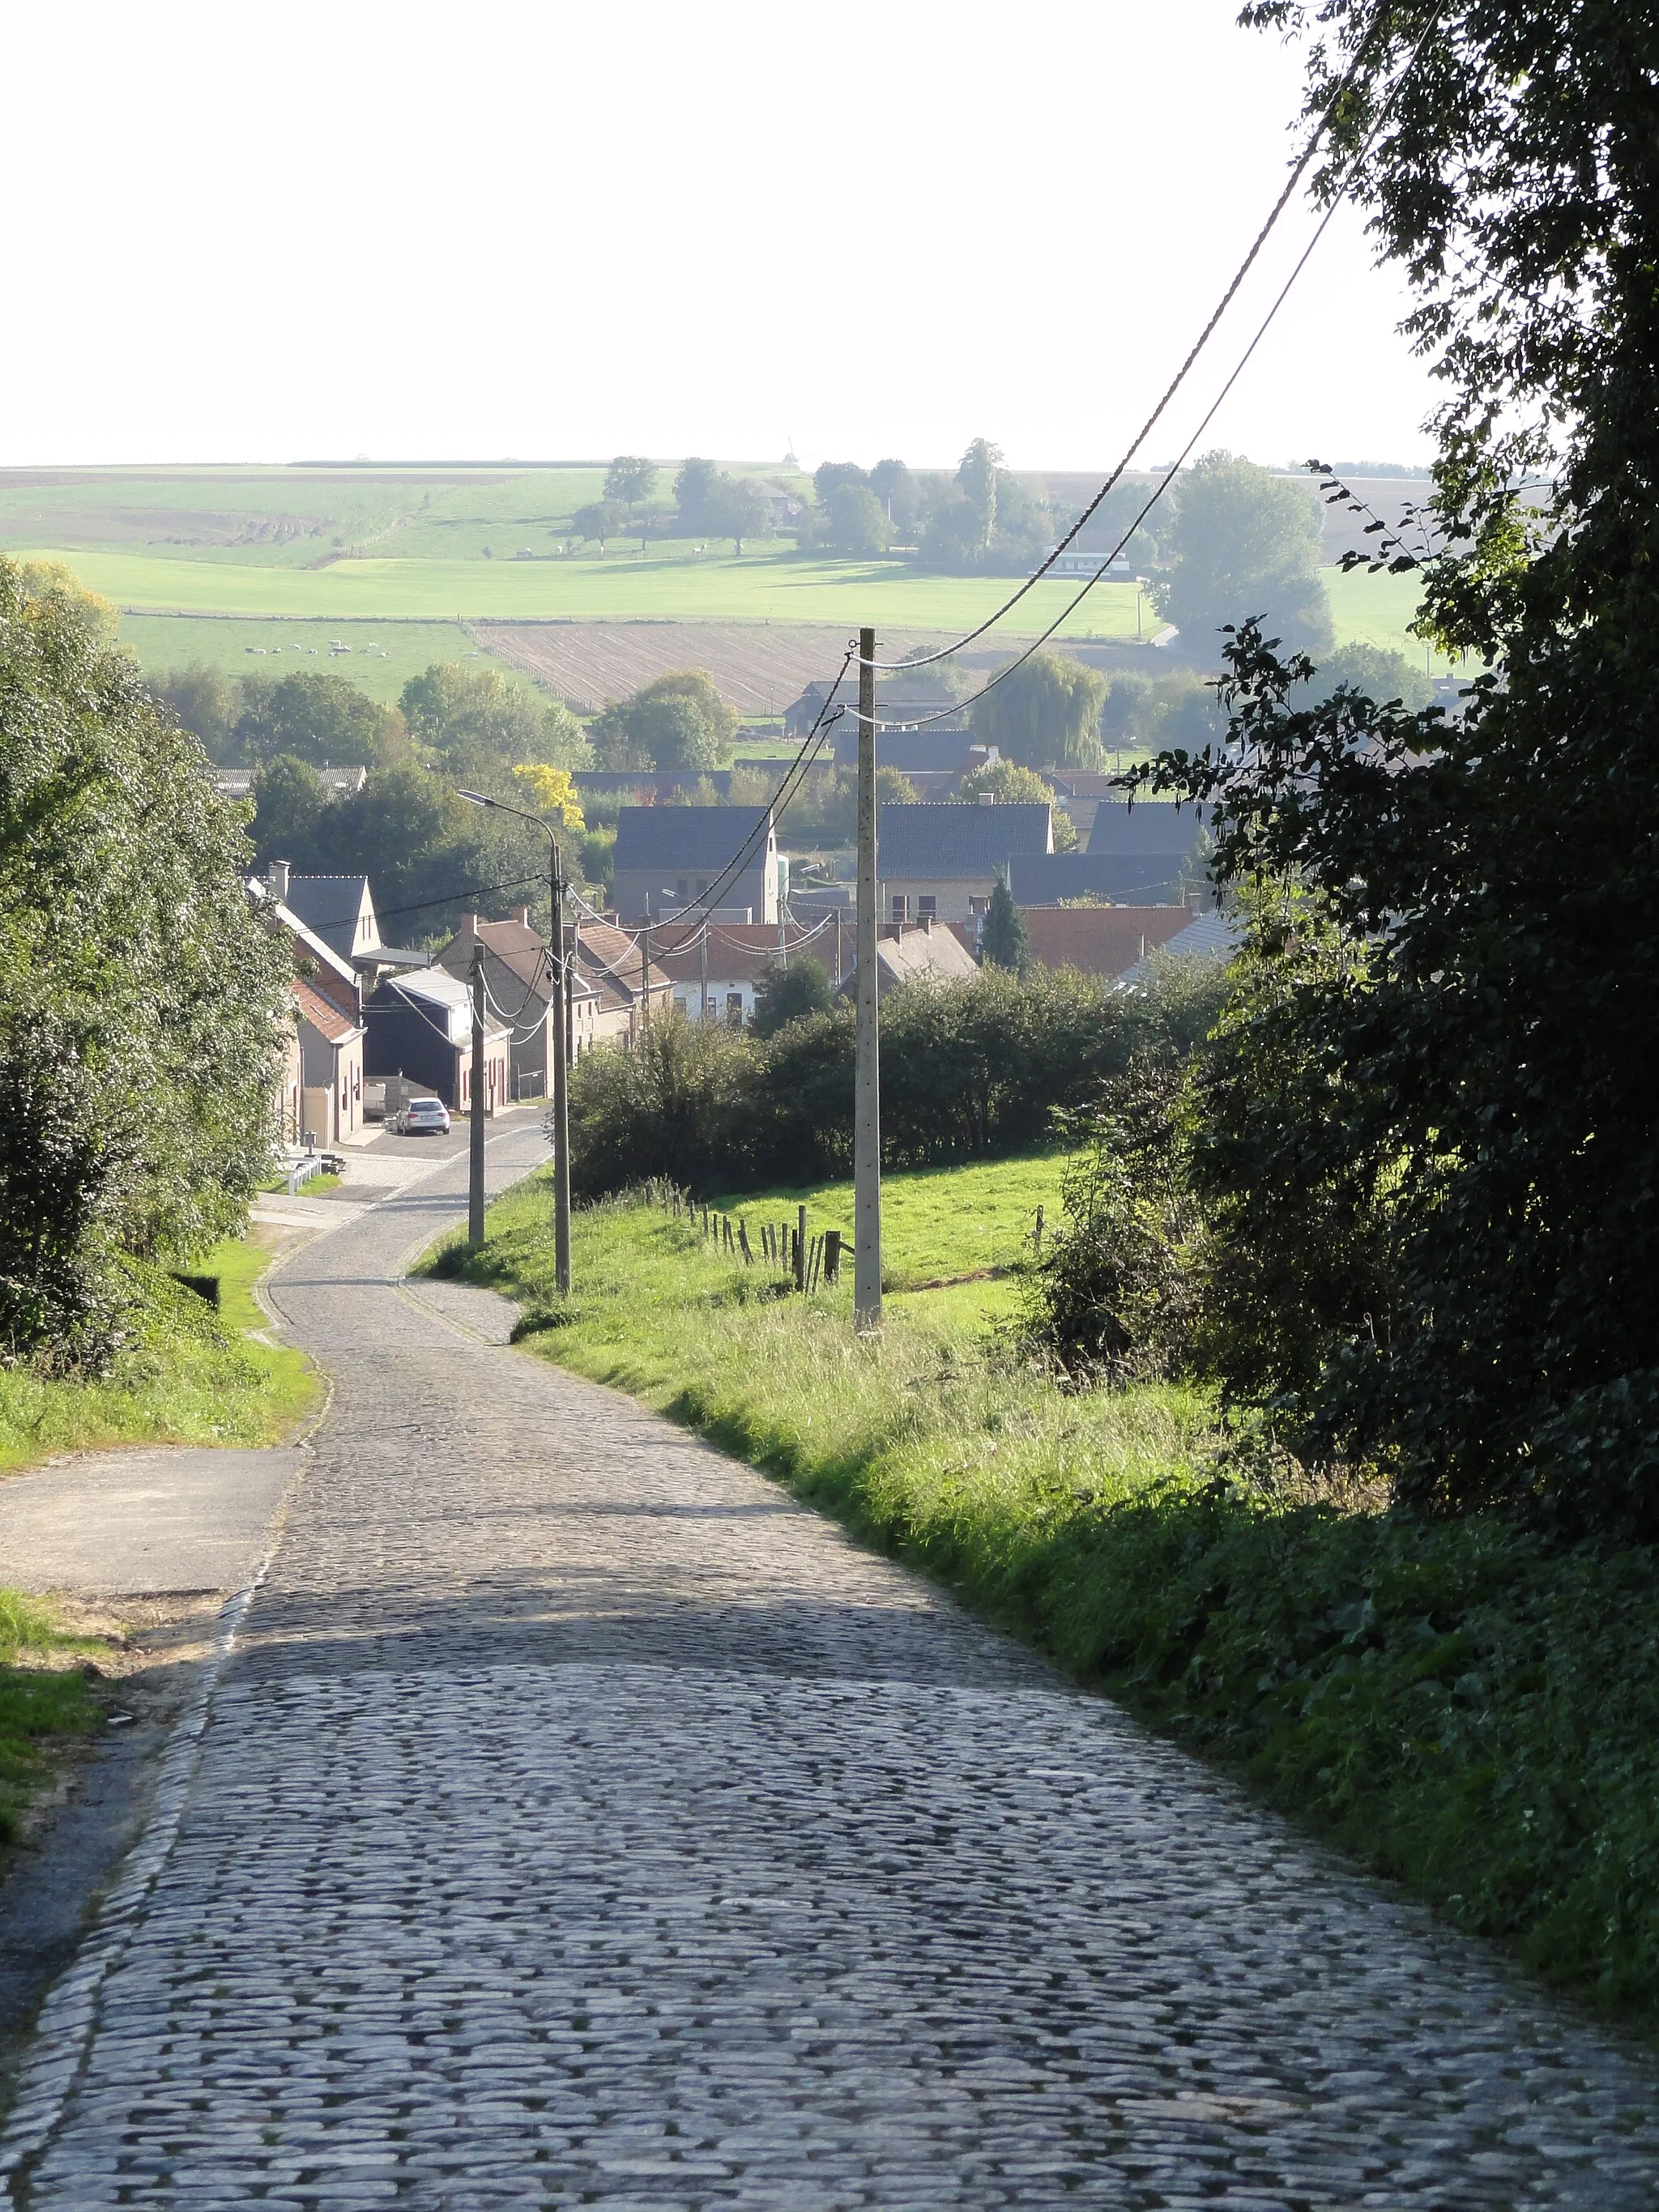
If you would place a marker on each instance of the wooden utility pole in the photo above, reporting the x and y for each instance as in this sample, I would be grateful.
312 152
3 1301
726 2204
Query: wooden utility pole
475 1190
561 1083
866 1127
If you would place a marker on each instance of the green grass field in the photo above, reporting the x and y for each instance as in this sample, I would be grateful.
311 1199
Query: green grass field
383 655
322 550
184 1378
768 584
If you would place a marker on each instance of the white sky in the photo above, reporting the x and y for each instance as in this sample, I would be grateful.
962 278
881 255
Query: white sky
249 232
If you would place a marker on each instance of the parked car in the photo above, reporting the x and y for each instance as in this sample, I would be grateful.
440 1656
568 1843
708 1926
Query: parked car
422 1117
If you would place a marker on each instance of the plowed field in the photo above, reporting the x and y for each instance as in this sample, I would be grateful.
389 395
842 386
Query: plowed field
759 667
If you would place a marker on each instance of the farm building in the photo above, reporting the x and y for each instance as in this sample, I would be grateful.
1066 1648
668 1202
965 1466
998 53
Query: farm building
419 1026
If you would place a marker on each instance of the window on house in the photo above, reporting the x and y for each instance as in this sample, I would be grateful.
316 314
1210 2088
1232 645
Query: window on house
734 1008
900 907
927 907
682 887
979 907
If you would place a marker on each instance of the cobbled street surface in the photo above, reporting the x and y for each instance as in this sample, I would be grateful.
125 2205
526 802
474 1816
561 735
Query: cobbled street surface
576 1821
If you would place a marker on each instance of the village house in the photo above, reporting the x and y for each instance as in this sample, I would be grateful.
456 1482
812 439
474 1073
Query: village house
628 988
331 1065
918 953
940 863
519 980
666 856
1101 940
420 1029
319 1094
717 968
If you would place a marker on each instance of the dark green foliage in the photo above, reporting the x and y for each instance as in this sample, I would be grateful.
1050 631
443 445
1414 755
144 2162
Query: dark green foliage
1005 941
680 721
430 856
1492 882
313 716
785 995
1244 542
144 1007
1046 714
1114 1297
1379 674
971 1071
472 722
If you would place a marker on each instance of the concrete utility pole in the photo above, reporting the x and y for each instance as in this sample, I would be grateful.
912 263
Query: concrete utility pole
560 995
702 972
867 1124
560 1005
475 1190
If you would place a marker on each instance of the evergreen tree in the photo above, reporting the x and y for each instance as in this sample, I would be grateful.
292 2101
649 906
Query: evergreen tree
1005 941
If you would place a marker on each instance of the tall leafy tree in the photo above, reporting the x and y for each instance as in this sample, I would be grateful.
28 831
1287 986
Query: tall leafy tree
142 1005
1493 880
977 473
631 478
1244 542
1046 713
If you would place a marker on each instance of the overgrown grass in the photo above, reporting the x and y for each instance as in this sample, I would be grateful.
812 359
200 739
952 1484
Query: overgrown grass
1456 1702
42 1701
188 1376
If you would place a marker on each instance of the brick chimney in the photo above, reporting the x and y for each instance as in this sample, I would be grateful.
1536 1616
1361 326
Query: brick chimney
276 879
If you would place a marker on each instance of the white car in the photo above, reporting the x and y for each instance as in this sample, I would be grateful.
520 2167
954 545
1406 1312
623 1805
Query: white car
423 1117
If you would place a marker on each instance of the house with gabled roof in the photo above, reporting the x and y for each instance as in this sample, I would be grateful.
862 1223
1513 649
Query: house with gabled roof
340 909
668 856
519 980
940 862
1101 940
332 1064
630 987
420 1027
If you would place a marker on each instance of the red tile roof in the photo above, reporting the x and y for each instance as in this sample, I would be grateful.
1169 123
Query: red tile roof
323 1014
1101 940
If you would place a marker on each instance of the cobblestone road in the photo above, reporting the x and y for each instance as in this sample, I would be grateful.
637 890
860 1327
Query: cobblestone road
575 1822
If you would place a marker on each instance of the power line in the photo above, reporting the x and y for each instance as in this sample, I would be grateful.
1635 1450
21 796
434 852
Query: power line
1169 475
1299 171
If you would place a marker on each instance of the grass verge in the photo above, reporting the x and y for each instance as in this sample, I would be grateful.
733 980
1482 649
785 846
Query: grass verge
188 1374
45 1700
1456 1703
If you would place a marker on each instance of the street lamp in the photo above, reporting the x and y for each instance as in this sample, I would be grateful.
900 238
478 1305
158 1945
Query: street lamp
561 1087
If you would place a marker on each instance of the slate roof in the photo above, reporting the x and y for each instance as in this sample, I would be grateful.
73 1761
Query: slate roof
1206 937
916 956
1101 940
330 906
1124 878
948 839
1151 825
687 837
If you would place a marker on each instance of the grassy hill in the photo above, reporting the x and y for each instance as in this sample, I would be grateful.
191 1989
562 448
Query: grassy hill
226 564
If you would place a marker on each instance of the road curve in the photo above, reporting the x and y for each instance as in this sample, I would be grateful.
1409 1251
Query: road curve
576 1820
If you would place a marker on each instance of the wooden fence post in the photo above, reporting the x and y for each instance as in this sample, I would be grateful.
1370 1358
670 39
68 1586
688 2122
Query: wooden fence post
1037 1239
832 1255
743 1240
800 1247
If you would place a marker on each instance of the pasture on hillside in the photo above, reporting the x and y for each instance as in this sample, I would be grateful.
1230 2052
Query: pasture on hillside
380 659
